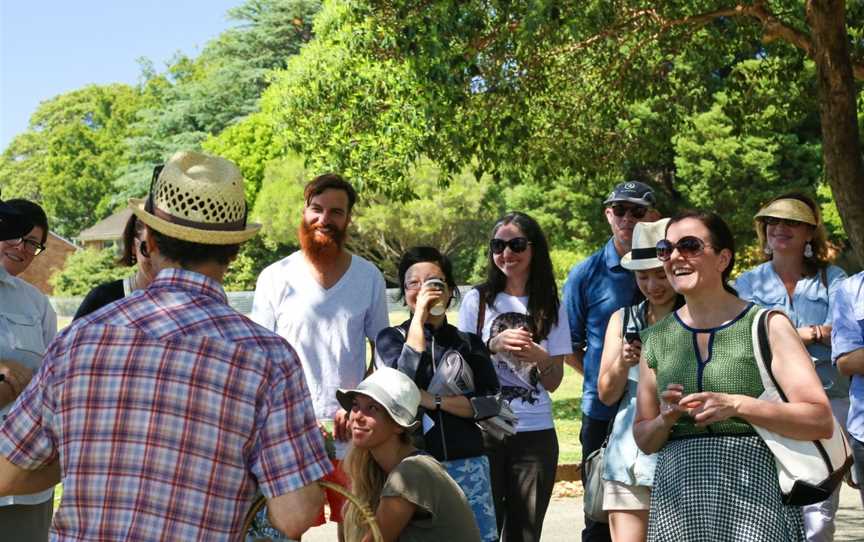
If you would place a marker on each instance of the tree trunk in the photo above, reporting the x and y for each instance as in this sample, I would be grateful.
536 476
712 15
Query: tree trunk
841 144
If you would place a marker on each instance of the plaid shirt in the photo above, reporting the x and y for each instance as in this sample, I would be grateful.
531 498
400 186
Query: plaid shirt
168 410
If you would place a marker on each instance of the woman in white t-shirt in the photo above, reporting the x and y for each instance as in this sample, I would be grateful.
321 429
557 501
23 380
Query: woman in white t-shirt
530 364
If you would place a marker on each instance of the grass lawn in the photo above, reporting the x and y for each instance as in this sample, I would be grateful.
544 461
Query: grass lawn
567 411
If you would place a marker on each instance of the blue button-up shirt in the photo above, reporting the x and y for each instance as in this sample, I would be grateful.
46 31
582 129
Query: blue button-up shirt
595 289
810 304
847 335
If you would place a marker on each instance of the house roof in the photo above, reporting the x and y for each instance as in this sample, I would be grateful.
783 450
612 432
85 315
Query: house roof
109 229
62 239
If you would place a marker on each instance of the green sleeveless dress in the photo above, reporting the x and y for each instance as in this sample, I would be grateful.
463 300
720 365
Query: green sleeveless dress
717 483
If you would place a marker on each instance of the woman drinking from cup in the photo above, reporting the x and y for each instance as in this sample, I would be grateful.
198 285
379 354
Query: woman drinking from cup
425 346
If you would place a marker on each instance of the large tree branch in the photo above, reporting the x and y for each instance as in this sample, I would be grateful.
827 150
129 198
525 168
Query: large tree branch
774 28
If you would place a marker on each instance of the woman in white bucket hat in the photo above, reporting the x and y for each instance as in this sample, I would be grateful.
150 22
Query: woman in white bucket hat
413 496
629 472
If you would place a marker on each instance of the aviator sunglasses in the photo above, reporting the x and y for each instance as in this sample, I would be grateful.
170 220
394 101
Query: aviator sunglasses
517 244
636 211
688 247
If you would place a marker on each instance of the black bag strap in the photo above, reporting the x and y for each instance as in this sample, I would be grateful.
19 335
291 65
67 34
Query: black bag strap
625 321
481 313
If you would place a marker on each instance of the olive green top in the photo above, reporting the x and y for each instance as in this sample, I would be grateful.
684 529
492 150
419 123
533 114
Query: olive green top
670 349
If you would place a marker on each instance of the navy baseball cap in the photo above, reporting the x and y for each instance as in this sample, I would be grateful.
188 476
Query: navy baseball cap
632 192
12 223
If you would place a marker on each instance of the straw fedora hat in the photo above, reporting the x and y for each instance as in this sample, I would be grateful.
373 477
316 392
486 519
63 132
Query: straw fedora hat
198 198
643 255
390 388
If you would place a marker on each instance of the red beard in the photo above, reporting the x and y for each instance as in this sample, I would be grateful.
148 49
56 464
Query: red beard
321 247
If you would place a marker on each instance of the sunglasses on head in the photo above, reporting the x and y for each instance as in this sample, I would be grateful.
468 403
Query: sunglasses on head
517 244
688 247
773 221
636 211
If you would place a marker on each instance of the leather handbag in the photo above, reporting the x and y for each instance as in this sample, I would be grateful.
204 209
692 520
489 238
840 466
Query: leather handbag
808 471
592 475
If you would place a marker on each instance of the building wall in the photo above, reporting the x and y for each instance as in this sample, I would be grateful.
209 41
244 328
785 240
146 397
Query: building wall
47 263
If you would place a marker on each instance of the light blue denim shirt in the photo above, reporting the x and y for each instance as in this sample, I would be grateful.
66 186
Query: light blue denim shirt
847 335
623 461
810 304
27 325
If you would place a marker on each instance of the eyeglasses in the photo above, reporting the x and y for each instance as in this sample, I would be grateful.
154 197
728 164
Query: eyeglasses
33 247
688 247
415 284
773 221
636 211
517 244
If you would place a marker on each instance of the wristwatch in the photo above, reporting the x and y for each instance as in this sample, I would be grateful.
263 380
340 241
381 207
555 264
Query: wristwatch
437 402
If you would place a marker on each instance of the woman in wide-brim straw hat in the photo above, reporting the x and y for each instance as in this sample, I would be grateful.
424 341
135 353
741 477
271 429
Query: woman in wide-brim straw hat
798 279
629 473
197 198
413 496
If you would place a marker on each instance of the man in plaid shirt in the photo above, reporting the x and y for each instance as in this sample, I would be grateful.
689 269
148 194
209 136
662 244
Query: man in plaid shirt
167 411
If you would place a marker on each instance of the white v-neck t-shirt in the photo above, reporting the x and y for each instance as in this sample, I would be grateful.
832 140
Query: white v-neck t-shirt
327 327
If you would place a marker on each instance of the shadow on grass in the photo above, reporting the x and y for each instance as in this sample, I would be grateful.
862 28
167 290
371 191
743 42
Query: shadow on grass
567 409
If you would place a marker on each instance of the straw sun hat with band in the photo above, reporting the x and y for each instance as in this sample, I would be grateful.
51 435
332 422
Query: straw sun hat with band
197 198
643 255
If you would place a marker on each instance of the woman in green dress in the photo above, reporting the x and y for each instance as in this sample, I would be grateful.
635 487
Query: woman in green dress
698 400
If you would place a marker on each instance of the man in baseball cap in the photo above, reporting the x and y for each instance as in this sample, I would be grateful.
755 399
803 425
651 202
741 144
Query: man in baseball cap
596 288
174 409
632 192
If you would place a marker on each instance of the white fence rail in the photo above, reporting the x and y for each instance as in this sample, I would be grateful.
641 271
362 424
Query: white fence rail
241 301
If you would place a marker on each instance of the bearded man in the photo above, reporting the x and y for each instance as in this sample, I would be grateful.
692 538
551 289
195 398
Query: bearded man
325 301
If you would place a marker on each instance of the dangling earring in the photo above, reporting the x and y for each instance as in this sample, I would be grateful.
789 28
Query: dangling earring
767 250
808 250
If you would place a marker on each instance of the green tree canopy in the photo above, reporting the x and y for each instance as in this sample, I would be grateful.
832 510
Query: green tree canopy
702 100
71 153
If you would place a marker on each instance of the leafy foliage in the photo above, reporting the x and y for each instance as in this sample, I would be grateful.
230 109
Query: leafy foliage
254 256
69 156
86 269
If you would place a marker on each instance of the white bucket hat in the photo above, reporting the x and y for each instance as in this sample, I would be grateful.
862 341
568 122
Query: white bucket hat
643 255
392 389
199 198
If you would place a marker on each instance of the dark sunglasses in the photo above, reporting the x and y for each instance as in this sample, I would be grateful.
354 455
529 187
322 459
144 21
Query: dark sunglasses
636 211
517 244
773 221
688 247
